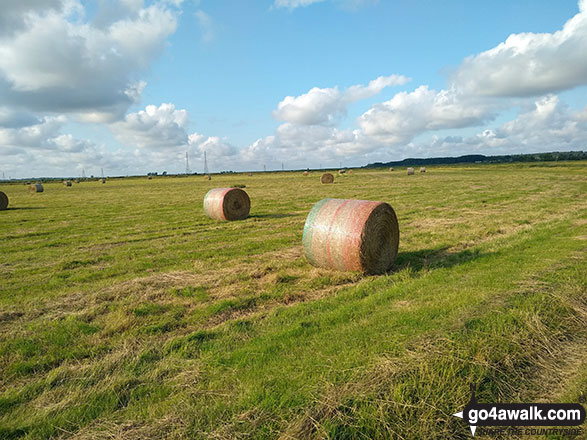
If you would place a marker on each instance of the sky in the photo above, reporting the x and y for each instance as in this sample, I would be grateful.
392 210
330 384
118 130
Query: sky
130 86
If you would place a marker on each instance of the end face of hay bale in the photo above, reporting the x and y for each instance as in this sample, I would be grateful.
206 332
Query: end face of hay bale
410 171
36 188
327 178
351 235
423 169
3 201
227 204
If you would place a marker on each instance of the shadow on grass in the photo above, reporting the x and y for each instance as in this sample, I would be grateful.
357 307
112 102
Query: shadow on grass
24 207
435 258
272 215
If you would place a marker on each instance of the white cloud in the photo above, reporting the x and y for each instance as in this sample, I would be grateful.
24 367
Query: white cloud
61 63
322 106
161 127
408 114
529 64
206 25
344 4
545 125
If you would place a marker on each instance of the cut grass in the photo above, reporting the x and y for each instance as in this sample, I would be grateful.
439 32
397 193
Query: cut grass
147 320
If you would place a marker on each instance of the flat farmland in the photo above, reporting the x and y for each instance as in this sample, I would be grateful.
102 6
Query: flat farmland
126 313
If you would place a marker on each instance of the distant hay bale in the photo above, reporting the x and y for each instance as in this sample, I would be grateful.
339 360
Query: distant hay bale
410 171
250 174
227 204
36 188
3 201
306 173
355 235
327 178
423 169
67 182
341 171
76 180
103 180
208 177
391 169
350 172
150 177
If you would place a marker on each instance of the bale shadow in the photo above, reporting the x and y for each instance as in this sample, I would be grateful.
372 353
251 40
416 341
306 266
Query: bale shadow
24 208
435 258
272 215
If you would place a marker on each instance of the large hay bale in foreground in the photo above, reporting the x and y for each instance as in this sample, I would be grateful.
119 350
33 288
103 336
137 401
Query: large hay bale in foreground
3 201
423 169
327 178
227 204
67 182
410 171
356 235
36 188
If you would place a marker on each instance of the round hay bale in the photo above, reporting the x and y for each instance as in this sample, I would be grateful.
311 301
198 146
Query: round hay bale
208 177
250 174
354 235
227 204
327 178
150 177
423 169
36 188
341 171
350 172
103 180
306 173
3 201
410 171
391 169
76 180
67 183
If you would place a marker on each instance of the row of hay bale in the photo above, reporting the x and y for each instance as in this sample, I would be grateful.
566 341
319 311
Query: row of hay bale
343 234
411 170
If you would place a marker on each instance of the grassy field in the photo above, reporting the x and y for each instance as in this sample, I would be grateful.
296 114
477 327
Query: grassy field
126 313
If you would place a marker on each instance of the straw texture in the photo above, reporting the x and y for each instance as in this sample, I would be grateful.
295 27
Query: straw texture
327 178
36 188
410 171
3 201
227 204
353 235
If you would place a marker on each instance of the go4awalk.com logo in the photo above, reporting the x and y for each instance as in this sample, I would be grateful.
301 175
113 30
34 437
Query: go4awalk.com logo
520 414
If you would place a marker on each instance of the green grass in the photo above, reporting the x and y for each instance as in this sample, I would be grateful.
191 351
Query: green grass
126 313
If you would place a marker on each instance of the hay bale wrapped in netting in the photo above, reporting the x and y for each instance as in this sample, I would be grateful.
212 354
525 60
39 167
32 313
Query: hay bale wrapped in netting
36 188
327 178
227 204
3 201
410 171
423 169
357 235
67 182
306 173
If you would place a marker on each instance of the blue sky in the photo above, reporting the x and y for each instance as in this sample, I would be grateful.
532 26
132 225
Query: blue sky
130 86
